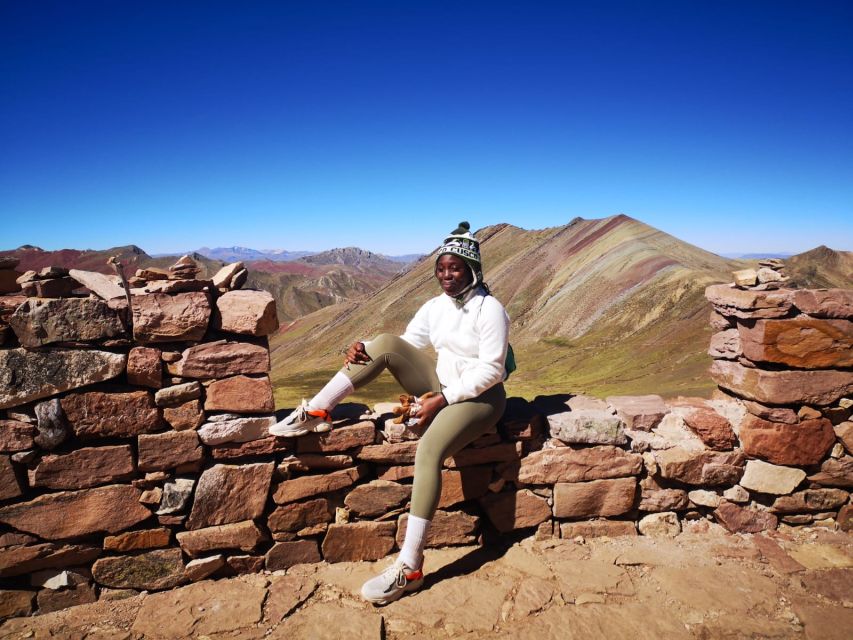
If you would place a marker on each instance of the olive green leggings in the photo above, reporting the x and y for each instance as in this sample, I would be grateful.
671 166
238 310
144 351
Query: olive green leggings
453 427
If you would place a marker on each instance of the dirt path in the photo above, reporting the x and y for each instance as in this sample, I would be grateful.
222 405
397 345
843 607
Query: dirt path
797 584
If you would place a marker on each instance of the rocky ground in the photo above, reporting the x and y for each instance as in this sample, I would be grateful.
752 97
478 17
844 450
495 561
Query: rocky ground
701 584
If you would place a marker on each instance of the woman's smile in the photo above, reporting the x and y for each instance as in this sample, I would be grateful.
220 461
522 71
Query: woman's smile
453 274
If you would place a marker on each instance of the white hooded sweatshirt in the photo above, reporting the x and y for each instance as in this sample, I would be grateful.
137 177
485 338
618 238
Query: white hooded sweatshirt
470 338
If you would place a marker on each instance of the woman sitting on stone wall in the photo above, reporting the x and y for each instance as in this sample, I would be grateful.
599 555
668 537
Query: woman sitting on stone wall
468 329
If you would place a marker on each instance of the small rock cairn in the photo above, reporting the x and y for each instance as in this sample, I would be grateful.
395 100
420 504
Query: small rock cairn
134 453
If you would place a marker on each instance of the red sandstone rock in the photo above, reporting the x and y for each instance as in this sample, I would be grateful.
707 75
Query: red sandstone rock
714 430
40 322
742 520
596 498
136 540
177 394
243 564
835 473
20 560
228 494
773 414
845 518
240 394
512 510
54 287
201 568
248 312
725 344
396 473
235 429
464 484
700 467
16 436
96 414
639 412
598 529
660 525
377 497
741 303
657 501
30 375
284 555
446 528
83 468
169 450
221 359
567 464
358 541
14 539
820 387
159 317
843 431
153 570
305 462
49 600
15 602
10 487
223 277
824 303
306 486
186 416
245 536
802 342
144 367
262 447
811 500
338 439
787 444
70 514
299 515
393 454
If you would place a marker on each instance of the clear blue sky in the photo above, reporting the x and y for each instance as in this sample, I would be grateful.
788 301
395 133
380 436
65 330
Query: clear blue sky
310 125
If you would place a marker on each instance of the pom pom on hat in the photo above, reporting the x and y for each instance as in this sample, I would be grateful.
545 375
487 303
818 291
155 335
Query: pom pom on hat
463 228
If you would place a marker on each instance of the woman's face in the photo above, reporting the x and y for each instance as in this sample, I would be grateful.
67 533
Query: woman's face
453 274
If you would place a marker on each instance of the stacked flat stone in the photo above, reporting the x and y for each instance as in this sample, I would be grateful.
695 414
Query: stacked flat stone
137 457
111 419
786 356
8 285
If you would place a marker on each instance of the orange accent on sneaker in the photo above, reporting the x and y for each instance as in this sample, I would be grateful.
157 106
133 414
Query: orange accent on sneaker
320 413
414 575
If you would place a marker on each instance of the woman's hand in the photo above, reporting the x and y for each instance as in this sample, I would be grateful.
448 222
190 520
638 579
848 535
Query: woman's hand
429 409
356 354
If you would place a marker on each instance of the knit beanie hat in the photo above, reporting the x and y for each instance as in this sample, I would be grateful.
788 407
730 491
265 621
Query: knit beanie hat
461 242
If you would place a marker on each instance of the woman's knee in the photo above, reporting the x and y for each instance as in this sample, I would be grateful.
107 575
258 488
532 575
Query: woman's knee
383 343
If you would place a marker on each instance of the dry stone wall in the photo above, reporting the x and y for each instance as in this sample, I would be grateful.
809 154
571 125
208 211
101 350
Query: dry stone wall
134 451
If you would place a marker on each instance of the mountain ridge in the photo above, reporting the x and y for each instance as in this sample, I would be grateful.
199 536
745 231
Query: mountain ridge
604 306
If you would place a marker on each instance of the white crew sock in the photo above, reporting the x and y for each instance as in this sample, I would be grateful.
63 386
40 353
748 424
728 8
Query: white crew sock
336 389
412 552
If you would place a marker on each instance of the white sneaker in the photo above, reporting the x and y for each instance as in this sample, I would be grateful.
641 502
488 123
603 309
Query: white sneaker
301 421
392 583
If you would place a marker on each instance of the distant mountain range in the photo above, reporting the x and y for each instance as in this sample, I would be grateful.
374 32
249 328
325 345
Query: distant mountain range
605 306
601 306
299 286
756 256
245 254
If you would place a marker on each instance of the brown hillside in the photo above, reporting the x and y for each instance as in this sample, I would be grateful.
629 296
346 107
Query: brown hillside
821 267
603 306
